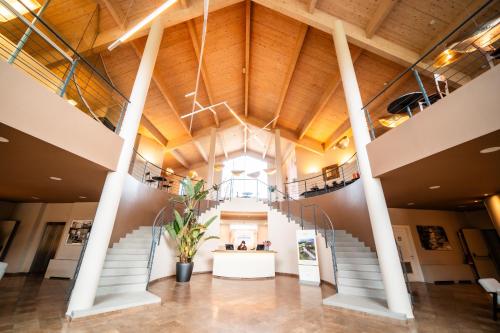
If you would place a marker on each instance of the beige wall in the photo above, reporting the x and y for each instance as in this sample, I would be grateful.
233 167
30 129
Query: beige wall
468 113
151 150
33 217
50 118
310 164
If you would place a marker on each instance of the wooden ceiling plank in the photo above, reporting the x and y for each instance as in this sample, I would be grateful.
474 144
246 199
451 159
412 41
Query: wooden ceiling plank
179 158
153 130
163 90
311 5
116 13
291 69
474 5
327 94
248 10
383 10
201 150
197 50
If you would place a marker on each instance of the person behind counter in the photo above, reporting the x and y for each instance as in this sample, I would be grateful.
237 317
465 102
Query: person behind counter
242 246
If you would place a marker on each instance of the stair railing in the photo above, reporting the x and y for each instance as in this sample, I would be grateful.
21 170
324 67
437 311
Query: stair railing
77 269
156 232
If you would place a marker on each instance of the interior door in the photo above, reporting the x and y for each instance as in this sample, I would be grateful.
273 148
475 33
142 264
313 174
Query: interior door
47 247
480 253
402 234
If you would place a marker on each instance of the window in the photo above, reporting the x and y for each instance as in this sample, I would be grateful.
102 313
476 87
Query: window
245 185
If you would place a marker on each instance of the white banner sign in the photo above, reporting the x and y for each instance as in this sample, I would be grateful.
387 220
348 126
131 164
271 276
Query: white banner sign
307 254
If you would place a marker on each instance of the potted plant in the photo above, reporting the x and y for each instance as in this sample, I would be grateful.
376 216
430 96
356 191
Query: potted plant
186 230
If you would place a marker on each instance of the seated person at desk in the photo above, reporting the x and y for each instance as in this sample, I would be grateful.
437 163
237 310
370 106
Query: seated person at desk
242 246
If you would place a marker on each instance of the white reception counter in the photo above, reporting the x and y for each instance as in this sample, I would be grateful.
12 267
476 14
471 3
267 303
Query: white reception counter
244 264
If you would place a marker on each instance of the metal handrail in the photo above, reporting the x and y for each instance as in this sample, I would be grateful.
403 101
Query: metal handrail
312 177
78 265
66 44
156 231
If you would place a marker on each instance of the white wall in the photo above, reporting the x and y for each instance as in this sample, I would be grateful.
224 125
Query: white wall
281 233
33 217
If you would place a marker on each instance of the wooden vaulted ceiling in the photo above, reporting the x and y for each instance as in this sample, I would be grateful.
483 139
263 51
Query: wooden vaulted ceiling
268 59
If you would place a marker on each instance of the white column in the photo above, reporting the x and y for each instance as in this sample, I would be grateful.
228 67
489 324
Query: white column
278 160
211 158
492 204
390 266
85 288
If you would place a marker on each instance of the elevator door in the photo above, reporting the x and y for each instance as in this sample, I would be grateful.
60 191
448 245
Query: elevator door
47 247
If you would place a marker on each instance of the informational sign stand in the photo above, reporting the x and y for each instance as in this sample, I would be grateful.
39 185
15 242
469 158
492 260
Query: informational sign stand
307 254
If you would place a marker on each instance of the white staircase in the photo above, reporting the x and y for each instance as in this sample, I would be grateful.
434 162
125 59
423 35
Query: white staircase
126 264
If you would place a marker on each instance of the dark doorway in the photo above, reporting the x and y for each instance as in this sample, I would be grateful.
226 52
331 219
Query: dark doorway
47 247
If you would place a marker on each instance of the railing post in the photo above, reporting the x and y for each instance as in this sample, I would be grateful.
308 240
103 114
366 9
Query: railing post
305 187
144 172
343 176
421 86
302 216
288 202
68 77
315 224
26 34
257 185
370 123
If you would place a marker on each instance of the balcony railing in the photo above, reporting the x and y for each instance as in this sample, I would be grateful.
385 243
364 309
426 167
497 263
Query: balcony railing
30 44
466 52
348 172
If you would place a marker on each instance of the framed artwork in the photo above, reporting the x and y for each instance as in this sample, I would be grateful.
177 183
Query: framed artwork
433 238
306 246
331 172
78 231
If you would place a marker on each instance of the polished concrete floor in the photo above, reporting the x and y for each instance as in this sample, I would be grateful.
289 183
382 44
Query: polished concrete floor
29 304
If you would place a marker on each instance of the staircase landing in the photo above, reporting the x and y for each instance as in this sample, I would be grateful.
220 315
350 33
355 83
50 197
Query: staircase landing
372 306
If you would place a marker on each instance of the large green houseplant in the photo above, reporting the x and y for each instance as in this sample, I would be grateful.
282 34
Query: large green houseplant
185 228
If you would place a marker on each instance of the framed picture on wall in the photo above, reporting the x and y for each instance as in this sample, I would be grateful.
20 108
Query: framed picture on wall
78 231
433 238
331 172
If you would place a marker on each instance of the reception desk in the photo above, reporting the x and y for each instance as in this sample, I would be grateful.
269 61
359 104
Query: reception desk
244 264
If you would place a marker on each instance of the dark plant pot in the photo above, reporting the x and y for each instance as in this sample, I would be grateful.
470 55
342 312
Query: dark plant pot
183 271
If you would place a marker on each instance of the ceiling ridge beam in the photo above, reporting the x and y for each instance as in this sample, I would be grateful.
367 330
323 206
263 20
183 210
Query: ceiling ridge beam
330 90
291 69
197 50
311 6
383 10
163 91
201 150
177 155
157 134
248 21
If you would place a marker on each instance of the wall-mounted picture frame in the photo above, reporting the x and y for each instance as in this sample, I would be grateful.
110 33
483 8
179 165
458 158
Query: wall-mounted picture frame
433 238
78 232
331 172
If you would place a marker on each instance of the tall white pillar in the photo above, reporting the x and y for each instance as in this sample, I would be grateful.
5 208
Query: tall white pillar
211 158
492 204
85 288
278 160
390 266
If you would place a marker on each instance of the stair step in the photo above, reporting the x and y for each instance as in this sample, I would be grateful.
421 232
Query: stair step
352 248
125 264
137 240
124 245
348 241
355 254
349 244
126 257
124 271
122 279
365 261
358 267
362 283
105 290
366 275
126 250
366 292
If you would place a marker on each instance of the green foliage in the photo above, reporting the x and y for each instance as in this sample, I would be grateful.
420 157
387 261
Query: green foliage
185 229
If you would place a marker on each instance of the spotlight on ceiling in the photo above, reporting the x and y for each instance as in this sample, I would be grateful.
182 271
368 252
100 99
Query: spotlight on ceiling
55 178
411 204
82 197
489 150
141 24
192 174
35 198
218 167
435 187
169 171
342 143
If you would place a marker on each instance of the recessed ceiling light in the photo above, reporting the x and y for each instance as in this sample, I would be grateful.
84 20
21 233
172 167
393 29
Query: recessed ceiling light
411 203
435 187
36 198
489 150
72 102
3 140
432 22
55 178
82 197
